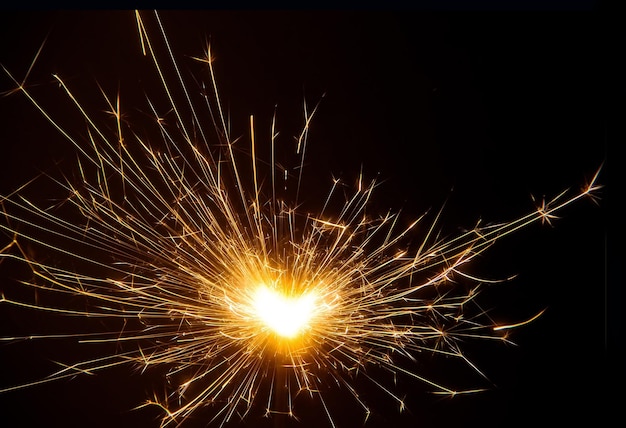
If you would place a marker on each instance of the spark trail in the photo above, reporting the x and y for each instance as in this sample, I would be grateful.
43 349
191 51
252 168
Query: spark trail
217 277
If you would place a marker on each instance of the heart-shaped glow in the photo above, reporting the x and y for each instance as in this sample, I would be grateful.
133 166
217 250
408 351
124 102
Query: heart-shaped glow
285 315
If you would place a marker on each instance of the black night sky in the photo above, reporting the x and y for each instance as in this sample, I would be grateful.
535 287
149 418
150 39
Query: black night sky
476 110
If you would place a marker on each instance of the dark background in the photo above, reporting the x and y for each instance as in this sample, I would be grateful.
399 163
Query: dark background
479 109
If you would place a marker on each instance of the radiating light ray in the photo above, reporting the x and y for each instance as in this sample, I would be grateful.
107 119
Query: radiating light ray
184 245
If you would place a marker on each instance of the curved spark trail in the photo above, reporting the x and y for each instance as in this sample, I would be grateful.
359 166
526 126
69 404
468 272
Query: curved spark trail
216 276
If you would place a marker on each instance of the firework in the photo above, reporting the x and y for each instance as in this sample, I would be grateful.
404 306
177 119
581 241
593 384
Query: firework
202 250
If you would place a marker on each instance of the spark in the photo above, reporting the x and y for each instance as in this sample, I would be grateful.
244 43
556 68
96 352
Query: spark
519 324
241 295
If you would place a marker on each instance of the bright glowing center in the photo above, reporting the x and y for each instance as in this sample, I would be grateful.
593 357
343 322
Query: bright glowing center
287 316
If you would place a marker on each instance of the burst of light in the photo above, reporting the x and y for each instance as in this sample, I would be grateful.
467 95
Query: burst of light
286 315
214 279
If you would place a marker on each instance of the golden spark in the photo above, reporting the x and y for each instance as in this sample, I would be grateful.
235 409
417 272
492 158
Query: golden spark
228 285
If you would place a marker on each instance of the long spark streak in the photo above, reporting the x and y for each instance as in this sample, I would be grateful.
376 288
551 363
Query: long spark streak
185 249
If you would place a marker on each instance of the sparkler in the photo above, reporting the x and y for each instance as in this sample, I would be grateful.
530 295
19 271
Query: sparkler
221 278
